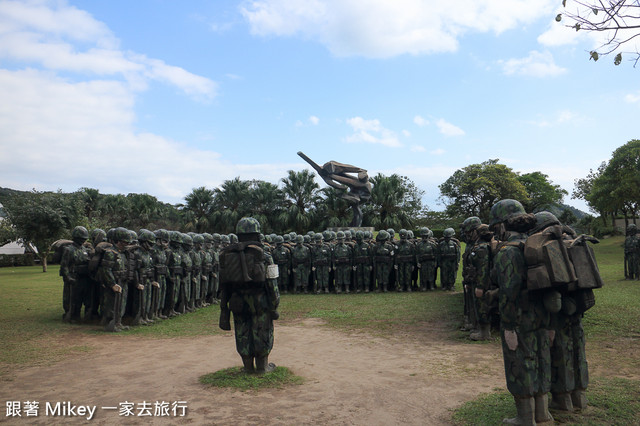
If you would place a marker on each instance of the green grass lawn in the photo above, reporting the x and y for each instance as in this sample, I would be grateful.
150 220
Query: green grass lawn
32 332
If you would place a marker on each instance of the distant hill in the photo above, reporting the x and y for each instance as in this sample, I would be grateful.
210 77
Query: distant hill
557 210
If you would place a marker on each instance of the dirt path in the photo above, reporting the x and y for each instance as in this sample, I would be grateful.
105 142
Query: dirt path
349 379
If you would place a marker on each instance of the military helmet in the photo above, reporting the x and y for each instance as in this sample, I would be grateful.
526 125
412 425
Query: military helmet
403 234
424 231
359 235
146 235
286 238
122 234
326 235
448 233
410 234
505 209
382 235
368 235
279 239
111 234
545 219
318 237
248 225
470 224
80 232
175 237
340 235
186 239
97 235
299 239
161 234
307 239
233 238
225 239
217 238
198 239
208 238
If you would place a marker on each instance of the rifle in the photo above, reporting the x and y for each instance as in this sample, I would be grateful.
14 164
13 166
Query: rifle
155 299
111 326
183 299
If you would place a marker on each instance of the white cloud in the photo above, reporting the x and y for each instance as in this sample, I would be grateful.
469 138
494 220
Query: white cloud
559 117
438 151
420 121
55 132
314 120
406 133
380 28
371 131
449 129
418 148
60 37
632 97
537 64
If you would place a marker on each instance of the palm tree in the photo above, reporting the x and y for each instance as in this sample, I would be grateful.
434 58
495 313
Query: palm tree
392 202
334 211
198 209
230 204
301 196
266 201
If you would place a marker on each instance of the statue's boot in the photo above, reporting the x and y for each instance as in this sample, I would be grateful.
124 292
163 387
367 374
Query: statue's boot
526 412
579 399
483 332
263 365
561 401
247 362
542 408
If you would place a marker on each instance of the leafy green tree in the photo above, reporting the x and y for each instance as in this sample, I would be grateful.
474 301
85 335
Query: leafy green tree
622 178
40 218
301 196
473 190
333 210
540 191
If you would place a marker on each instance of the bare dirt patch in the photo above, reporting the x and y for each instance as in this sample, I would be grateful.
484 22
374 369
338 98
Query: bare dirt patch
349 379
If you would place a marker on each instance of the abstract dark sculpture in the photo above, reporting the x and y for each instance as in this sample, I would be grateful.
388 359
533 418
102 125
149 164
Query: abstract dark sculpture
338 176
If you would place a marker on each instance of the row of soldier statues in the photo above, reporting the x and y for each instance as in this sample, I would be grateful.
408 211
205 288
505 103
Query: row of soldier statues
146 276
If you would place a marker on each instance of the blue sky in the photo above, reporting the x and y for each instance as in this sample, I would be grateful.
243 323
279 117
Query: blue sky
161 96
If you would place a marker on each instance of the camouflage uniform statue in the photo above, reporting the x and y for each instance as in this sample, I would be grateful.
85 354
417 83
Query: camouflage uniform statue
301 261
383 254
426 253
321 259
343 264
160 254
364 263
448 259
146 273
112 275
134 287
207 269
176 274
196 274
254 303
631 258
74 269
215 275
184 300
523 317
569 369
404 262
481 291
282 257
